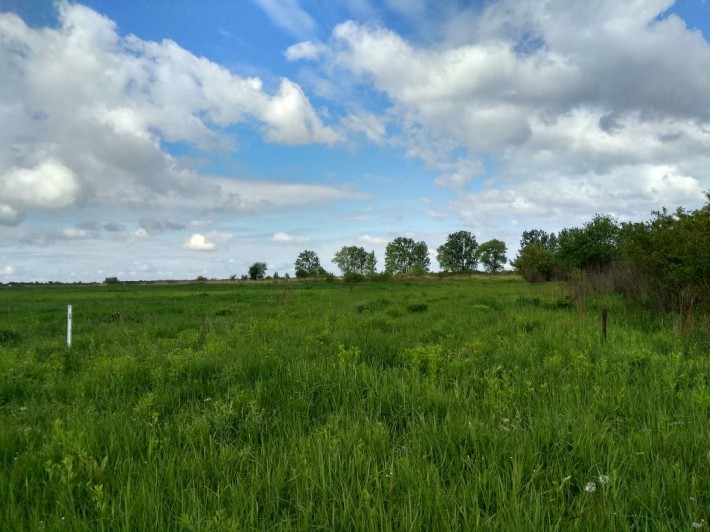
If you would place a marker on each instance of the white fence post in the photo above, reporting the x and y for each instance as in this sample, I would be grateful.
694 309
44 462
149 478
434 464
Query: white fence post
69 327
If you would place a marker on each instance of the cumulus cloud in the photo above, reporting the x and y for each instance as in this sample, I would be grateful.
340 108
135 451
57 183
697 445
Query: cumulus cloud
47 186
290 119
84 113
199 243
525 96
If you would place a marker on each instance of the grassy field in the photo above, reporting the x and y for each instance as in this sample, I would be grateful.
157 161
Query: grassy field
427 405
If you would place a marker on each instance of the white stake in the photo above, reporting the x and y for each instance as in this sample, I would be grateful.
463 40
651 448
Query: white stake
69 327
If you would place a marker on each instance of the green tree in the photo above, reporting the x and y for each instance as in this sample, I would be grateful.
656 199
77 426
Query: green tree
538 258
492 255
458 254
257 271
536 262
405 256
592 247
308 264
539 237
355 260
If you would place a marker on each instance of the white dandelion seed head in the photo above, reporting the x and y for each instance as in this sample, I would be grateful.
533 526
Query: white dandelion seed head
591 487
604 479
697 524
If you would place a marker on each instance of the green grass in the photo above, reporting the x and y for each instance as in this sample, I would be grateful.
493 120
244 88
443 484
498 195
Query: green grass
427 405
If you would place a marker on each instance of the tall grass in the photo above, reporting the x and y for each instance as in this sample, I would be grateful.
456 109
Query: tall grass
428 405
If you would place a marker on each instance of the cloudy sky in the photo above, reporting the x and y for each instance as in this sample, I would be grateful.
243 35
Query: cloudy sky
173 138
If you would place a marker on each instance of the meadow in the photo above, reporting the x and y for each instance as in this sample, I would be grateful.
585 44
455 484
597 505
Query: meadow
435 404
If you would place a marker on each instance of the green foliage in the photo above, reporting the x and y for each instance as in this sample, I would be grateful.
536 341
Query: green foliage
592 247
354 259
672 251
492 255
405 256
537 262
111 281
459 253
417 307
257 271
539 237
308 265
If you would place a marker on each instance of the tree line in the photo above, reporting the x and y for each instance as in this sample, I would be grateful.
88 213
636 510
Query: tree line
664 261
403 256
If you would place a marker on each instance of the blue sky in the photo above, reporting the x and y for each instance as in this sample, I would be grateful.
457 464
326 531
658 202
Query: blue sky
172 138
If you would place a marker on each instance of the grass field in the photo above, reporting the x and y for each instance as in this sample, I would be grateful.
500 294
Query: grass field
423 405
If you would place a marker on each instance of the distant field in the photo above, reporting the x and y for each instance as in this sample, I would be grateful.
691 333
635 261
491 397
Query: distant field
422 405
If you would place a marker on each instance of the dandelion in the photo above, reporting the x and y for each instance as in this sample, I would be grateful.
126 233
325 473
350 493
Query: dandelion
697 524
591 487
604 479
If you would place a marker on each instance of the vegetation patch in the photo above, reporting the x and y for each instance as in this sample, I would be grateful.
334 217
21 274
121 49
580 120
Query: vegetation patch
372 305
8 337
487 407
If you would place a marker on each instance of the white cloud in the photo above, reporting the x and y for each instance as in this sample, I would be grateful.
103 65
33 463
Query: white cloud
84 114
546 95
308 50
285 237
49 185
198 242
290 119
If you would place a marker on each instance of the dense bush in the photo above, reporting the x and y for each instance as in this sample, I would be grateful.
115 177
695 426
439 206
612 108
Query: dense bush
664 261
672 252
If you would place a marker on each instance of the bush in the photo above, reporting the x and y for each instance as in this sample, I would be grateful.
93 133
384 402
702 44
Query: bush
537 263
672 253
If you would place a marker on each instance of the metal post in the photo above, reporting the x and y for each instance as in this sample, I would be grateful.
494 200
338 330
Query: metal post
604 315
69 327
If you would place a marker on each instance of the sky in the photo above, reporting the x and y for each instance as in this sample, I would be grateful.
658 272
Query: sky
173 139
